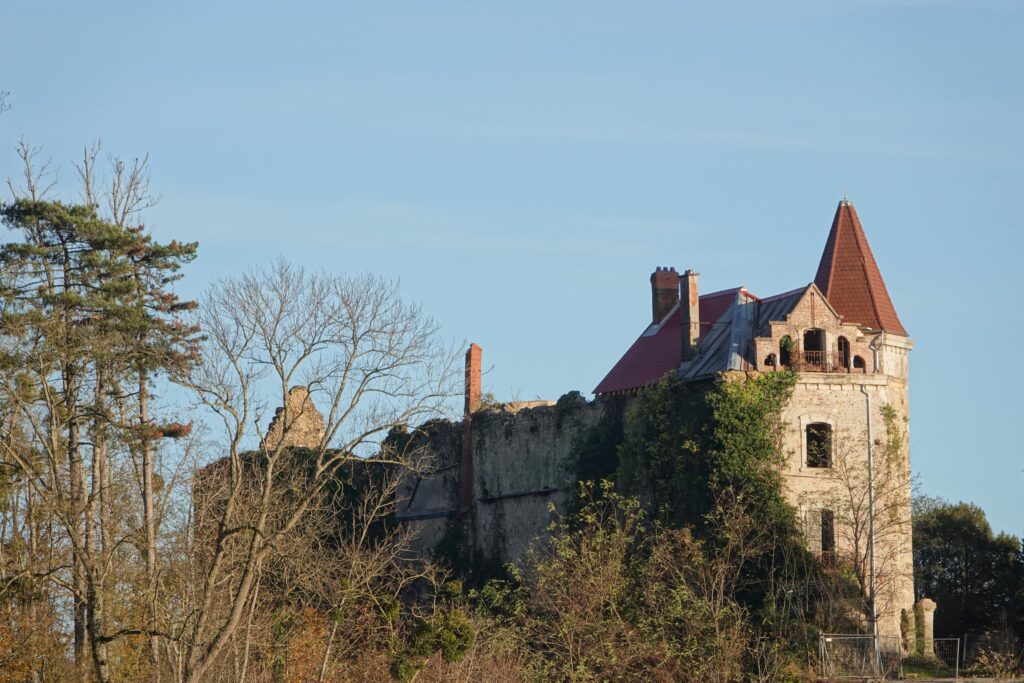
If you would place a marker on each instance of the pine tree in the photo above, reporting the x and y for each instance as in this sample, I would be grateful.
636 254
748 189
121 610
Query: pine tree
88 319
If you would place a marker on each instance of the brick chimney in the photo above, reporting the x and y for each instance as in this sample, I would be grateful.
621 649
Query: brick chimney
690 318
474 357
664 292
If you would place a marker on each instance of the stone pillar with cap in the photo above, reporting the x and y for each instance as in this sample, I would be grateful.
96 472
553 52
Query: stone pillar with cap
925 613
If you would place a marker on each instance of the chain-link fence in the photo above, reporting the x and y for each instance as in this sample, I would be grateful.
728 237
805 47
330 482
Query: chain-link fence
859 656
940 660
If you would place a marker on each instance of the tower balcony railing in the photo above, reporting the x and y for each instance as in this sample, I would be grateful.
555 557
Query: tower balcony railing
823 361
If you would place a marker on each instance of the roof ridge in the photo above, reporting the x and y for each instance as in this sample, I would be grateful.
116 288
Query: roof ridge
776 297
730 290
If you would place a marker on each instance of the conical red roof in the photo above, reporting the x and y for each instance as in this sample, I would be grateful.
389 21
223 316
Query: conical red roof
849 277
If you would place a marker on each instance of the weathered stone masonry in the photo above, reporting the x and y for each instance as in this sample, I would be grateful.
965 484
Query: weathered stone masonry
520 464
840 333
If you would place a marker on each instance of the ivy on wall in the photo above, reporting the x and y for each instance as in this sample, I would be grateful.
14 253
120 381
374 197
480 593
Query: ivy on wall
680 446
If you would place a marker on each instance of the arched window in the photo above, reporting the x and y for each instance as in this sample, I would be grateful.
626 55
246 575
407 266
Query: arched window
786 351
814 340
770 361
819 445
814 349
844 353
858 364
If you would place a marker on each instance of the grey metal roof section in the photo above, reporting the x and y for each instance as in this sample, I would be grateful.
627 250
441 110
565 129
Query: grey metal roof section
776 308
712 352
724 346
727 345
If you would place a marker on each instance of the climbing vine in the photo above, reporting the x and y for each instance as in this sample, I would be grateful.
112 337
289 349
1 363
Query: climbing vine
687 444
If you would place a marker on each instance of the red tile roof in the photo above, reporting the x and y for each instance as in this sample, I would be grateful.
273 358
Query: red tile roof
659 349
849 277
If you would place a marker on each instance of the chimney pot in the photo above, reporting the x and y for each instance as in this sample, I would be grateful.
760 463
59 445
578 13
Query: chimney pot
664 292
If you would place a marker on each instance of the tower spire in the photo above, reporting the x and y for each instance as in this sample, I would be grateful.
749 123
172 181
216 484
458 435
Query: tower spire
849 277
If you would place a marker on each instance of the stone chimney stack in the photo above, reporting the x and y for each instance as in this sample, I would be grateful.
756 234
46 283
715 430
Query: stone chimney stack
664 292
689 306
474 357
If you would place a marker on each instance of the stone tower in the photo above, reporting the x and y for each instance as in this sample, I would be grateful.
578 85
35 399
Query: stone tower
848 470
846 425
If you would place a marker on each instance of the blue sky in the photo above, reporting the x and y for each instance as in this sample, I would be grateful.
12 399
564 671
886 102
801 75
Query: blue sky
523 167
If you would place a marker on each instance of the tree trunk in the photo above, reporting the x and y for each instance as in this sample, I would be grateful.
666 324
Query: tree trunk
150 524
98 530
77 476
97 617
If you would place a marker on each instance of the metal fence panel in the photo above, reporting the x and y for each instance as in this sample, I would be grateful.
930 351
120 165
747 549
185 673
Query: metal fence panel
941 662
859 656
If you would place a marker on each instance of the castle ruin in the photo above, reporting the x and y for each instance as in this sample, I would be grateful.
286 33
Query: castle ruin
847 470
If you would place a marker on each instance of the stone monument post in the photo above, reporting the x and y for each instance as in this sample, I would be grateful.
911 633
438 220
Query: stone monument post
925 609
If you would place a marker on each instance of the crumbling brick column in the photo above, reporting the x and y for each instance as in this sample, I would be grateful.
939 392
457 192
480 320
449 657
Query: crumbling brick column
474 358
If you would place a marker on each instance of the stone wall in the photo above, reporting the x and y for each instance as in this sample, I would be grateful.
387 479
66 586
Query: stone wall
521 464
840 401
428 495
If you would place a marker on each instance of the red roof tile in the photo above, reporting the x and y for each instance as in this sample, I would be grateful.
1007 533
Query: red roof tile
849 277
659 349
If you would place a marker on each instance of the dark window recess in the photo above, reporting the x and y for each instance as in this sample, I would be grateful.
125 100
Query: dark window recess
858 363
819 445
770 360
844 352
828 531
786 351
814 340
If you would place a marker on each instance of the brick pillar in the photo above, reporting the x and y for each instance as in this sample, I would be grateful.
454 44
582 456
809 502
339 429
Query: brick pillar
689 306
474 356
664 292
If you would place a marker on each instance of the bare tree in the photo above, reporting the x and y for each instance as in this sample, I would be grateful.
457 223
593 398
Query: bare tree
367 359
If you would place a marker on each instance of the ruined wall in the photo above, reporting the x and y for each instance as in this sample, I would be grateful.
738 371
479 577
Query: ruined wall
521 463
297 423
428 495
